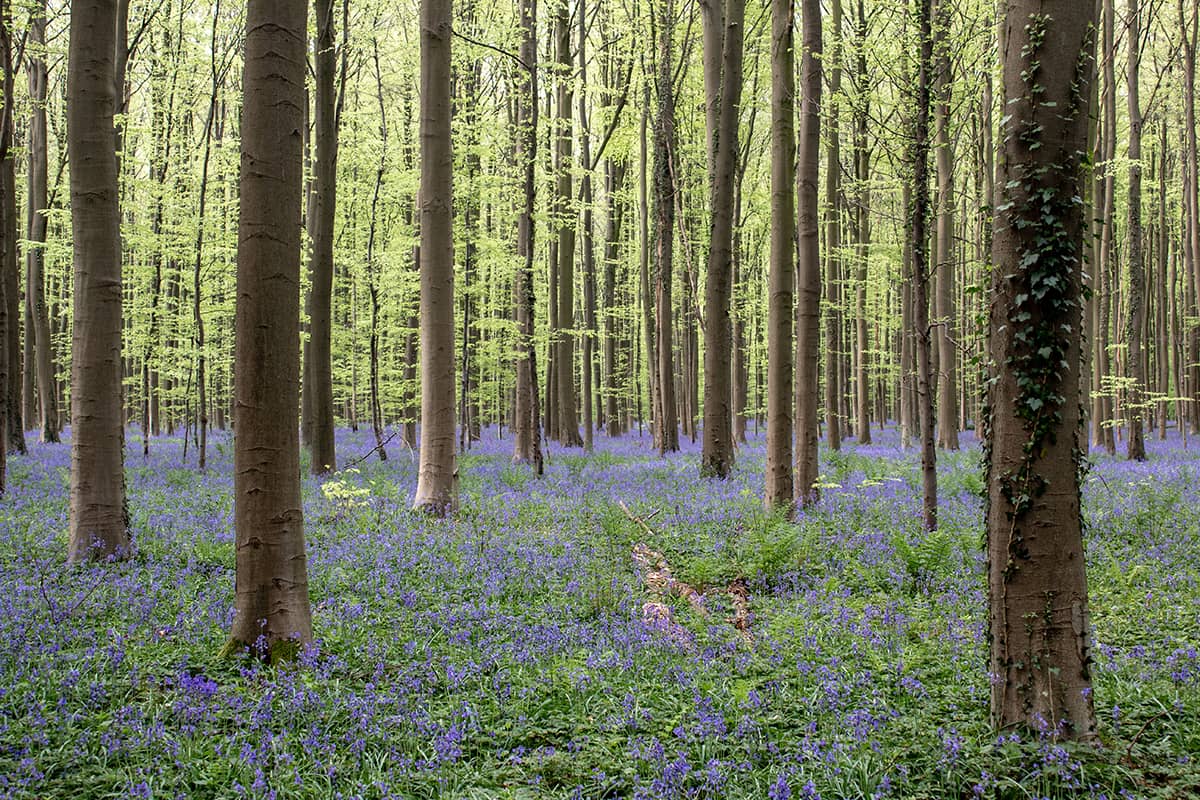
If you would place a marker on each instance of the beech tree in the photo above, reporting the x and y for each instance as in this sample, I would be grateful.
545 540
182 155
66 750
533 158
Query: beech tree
437 482
780 294
1136 357
527 444
666 429
808 261
1039 631
919 266
10 264
716 458
45 369
318 375
99 521
272 574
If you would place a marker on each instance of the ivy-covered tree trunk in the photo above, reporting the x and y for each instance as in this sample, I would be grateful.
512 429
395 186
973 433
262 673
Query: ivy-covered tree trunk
716 457
99 522
272 574
437 477
808 257
1038 622
781 291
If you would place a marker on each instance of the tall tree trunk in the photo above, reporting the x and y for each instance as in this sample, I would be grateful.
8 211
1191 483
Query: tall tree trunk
272 574
8 235
1135 364
1191 183
99 520
437 481
615 180
1102 403
162 127
38 201
1039 628
197 315
833 233
808 256
318 354
373 269
647 302
568 421
587 245
667 423
469 80
944 258
10 263
779 483
527 438
862 234
716 458
919 225
908 411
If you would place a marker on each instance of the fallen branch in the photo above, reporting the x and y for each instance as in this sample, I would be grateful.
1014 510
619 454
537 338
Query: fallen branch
636 519
739 595
370 452
661 584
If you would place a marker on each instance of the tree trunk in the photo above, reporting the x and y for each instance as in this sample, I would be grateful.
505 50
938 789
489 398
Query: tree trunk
8 235
1102 403
1191 183
667 422
833 234
613 383
779 483
437 482
862 236
272 574
808 261
318 354
1135 364
373 269
99 521
587 245
716 458
527 438
647 302
10 263
920 269
197 315
568 421
947 335
1039 628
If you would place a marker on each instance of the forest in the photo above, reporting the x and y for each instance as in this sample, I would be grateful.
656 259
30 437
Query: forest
784 399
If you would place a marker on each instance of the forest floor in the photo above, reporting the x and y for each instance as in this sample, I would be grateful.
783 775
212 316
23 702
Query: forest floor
618 628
